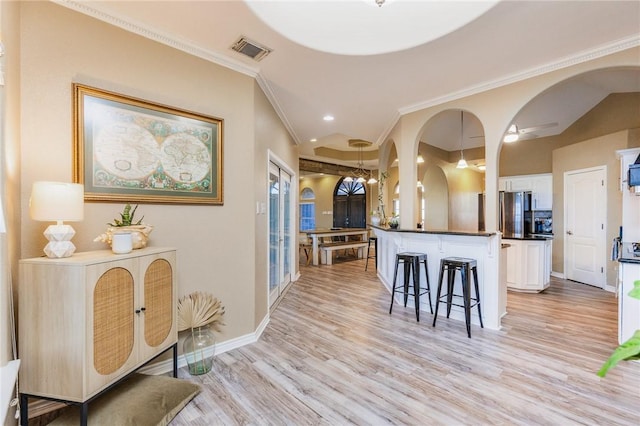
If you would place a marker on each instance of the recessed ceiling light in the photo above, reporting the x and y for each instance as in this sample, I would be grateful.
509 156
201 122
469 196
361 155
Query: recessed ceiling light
328 118
313 140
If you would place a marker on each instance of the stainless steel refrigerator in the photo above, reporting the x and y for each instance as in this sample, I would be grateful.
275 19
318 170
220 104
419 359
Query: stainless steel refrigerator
515 214
516 218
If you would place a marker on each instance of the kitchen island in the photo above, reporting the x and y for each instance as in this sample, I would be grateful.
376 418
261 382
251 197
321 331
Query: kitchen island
485 247
529 266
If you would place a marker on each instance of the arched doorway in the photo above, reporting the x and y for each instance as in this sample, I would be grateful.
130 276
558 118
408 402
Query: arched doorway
349 204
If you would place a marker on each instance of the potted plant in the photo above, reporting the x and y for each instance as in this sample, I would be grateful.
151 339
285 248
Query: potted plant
629 350
199 312
126 224
394 222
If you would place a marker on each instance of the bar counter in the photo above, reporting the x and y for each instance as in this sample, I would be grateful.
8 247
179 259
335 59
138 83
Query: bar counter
484 247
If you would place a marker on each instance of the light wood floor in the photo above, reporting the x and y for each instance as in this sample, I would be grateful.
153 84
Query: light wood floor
332 354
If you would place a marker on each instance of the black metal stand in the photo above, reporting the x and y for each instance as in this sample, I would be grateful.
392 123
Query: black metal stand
84 406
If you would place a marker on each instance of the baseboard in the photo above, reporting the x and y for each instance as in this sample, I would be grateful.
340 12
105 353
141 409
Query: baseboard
165 366
557 274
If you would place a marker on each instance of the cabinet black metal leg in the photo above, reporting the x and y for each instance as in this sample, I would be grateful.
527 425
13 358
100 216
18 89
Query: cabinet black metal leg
84 413
24 410
175 360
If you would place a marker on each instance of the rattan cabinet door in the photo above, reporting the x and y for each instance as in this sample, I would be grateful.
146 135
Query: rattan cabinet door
158 330
112 325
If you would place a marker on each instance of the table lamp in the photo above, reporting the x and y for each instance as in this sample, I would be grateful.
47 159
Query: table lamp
57 201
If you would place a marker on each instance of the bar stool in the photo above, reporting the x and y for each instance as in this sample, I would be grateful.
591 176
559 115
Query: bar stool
411 262
464 265
375 254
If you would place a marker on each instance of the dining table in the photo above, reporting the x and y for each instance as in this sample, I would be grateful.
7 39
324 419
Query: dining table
317 234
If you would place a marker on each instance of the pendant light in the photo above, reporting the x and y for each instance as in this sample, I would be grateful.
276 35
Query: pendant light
462 164
359 174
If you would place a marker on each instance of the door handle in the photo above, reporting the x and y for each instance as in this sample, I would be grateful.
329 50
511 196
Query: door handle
569 233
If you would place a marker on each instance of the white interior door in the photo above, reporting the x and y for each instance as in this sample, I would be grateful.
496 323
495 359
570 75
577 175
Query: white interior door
585 198
280 231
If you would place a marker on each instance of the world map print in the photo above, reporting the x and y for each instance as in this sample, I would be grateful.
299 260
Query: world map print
132 149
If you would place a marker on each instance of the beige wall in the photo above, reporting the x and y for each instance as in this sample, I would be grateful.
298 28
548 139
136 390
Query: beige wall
464 187
271 142
9 172
221 249
600 151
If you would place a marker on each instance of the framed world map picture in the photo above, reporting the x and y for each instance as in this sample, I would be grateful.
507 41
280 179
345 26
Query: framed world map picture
131 150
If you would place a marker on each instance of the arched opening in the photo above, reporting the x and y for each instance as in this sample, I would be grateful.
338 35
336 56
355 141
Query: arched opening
450 191
576 126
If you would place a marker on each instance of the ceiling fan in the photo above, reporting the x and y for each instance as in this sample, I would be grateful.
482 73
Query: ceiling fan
515 133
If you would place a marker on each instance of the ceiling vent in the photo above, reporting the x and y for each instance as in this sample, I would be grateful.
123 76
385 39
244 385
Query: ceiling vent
250 48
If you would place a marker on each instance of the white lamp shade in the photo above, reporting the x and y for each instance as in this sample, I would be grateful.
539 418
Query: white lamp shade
462 164
57 201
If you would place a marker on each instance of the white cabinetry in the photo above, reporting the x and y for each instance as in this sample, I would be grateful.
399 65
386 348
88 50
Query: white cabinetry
542 191
630 199
628 307
90 319
540 185
528 264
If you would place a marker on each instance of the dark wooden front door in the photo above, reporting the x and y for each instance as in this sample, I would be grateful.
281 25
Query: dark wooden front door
349 205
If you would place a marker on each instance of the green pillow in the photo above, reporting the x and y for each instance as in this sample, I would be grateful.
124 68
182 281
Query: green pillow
141 400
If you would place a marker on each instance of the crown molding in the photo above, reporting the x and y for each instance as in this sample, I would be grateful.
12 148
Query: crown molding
154 34
264 85
578 58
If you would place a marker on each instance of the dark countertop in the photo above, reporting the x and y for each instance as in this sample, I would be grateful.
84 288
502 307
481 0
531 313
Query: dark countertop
423 231
627 255
537 237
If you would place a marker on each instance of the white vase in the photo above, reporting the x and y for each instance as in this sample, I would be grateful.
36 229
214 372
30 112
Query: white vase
121 242
375 220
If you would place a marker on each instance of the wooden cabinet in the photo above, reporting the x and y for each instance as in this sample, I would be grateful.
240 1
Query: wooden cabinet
88 320
528 264
540 185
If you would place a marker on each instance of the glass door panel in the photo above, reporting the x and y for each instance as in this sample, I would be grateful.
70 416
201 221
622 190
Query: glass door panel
274 233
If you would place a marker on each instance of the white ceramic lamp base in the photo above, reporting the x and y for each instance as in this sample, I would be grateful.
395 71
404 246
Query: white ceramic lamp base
60 244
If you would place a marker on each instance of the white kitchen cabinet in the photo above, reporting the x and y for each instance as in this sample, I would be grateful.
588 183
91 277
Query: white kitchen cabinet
88 320
528 264
628 307
520 183
542 192
540 185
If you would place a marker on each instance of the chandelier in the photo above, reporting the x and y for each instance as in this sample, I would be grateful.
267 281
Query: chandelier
359 174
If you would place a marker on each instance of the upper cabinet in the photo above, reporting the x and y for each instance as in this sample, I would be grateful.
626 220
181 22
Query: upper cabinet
540 185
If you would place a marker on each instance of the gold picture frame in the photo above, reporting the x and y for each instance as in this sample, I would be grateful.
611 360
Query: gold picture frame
131 150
